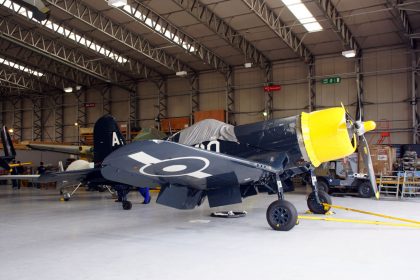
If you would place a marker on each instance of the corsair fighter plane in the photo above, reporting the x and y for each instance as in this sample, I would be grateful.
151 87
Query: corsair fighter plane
226 163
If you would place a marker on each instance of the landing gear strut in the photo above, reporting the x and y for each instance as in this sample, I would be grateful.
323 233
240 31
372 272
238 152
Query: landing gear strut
122 191
281 214
317 198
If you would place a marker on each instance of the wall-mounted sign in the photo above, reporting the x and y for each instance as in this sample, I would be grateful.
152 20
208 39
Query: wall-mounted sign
90 105
331 80
272 88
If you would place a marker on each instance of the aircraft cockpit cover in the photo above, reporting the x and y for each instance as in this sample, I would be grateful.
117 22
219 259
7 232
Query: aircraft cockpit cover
207 130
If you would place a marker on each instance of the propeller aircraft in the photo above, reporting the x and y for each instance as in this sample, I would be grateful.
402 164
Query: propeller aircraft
225 163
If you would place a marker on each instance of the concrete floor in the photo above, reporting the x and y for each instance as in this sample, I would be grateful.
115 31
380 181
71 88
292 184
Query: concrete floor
90 237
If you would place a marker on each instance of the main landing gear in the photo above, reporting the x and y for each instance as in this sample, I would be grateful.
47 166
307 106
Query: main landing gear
282 215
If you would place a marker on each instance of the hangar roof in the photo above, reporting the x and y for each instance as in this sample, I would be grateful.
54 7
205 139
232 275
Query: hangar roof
88 42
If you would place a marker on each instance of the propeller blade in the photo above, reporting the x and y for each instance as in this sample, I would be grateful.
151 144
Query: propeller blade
368 163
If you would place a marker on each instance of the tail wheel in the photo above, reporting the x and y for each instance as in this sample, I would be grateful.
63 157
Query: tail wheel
314 206
281 215
127 205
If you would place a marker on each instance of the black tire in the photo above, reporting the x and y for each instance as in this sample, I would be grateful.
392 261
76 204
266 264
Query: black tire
314 206
323 186
365 190
281 215
127 205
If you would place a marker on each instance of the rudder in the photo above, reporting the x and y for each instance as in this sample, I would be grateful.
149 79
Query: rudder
106 137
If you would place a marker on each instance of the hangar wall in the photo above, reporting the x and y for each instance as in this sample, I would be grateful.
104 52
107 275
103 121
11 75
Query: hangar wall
386 81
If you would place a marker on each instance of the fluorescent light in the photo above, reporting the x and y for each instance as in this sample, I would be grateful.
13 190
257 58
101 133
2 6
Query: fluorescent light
181 73
20 67
154 25
68 89
248 65
117 3
65 32
349 53
305 17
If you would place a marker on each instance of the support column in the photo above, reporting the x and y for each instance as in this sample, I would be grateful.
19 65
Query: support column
37 127
58 117
194 97
17 118
1 110
311 86
268 107
359 84
415 77
106 100
81 109
230 96
134 111
162 100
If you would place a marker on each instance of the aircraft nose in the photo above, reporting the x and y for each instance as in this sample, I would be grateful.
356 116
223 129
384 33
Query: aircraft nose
325 135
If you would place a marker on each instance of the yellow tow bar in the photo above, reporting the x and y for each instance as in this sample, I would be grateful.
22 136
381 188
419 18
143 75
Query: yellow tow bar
408 223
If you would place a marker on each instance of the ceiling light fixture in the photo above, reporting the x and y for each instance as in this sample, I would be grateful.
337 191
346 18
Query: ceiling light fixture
305 17
248 65
68 89
181 73
349 53
117 3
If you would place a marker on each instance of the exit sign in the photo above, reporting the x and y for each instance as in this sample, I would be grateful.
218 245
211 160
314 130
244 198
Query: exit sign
331 80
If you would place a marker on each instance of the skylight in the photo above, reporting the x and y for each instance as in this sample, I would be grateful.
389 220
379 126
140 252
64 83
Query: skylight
152 24
304 16
20 67
64 31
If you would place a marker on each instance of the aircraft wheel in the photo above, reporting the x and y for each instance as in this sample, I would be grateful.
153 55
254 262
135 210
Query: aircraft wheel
127 205
365 190
314 206
281 215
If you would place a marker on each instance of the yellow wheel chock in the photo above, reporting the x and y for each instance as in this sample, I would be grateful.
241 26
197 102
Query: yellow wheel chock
408 223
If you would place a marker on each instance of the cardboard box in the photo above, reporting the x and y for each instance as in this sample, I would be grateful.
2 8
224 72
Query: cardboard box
383 158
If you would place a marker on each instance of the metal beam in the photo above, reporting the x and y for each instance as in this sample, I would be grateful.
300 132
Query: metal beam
230 96
338 24
359 84
37 127
38 43
119 33
134 113
81 108
202 13
415 83
106 100
18 80
268 103
194 82
17 118
312 86
56 74
401 17
271 19
162 105
58 117
148 18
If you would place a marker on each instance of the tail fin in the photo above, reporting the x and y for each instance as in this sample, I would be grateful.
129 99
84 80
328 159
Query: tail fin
9 150
106 137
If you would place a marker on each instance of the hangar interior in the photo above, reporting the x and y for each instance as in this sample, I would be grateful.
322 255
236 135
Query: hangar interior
66 63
